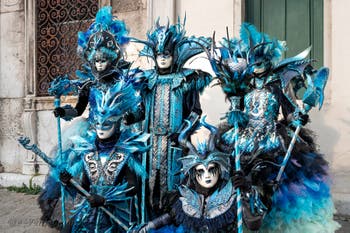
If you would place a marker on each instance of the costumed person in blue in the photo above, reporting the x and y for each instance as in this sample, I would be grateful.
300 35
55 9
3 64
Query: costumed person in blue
105 162
102 49
110 163
264 129
170 94
206 201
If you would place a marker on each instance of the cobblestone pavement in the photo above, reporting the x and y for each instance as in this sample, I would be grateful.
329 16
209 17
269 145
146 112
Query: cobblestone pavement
20 214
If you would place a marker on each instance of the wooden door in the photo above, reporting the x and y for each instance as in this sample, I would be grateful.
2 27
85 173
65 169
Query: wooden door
299 22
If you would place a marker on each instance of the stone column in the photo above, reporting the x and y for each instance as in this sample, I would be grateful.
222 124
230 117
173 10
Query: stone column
32 164
164 9
102 3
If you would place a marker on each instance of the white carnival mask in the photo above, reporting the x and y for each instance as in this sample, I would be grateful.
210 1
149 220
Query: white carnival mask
164 61
207 177
106 130
101 64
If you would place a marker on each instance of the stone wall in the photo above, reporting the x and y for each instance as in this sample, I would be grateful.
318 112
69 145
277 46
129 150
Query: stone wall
11 81
134 13
333 123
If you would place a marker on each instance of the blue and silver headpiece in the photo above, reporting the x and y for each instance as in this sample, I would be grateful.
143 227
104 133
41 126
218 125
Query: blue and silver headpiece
206 151
164 39
171 40
106 35
258 47
113 104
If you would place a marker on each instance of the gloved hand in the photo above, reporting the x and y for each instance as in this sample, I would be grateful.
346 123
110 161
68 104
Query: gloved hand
300 119
304 119
174 138
59 112
96 200
65 176
128 118
239 181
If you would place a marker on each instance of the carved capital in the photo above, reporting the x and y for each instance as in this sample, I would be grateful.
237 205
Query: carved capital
30 130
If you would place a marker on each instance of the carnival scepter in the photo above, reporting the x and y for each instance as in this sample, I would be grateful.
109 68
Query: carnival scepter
25 142
235 115
58 87
313 96
229 71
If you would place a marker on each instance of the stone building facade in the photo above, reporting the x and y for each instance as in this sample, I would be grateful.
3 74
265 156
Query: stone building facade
23 111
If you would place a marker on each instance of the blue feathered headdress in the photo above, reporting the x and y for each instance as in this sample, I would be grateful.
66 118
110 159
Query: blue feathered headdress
107 35
256 45
206 151
164 39
111 105
240 56
172 40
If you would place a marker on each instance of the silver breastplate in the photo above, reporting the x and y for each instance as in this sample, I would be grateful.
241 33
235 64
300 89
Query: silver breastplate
195 205
104 173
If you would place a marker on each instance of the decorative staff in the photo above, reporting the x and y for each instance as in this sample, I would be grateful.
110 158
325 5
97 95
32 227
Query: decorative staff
235 112
58 87
229 71
314 95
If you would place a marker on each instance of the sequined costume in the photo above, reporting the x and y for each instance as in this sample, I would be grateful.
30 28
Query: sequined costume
107 167
208 206
260 86
170 95
110 167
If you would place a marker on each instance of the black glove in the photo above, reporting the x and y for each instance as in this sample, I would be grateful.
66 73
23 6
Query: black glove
299 118
174 138
303 118
59 112
239 181
96 200
129 118
65 176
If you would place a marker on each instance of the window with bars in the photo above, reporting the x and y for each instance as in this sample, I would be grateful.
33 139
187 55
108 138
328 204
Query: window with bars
58 22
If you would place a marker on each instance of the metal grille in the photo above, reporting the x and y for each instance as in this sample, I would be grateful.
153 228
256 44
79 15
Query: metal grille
58 22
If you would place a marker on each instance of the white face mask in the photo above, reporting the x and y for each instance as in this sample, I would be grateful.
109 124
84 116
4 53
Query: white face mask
105 132
164 61
101 64
207 177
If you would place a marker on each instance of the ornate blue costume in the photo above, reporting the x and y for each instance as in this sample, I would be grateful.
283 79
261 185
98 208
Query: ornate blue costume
206 201
101 47
170 94
110 164
259 84
106 163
